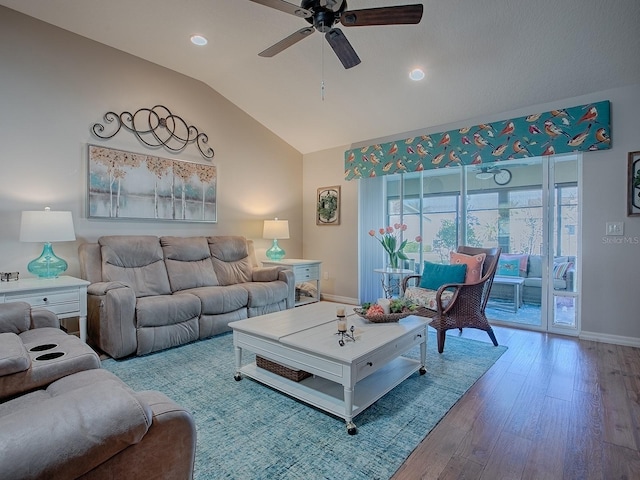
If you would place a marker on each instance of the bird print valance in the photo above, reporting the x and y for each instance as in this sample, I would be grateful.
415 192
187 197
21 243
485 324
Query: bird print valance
582 128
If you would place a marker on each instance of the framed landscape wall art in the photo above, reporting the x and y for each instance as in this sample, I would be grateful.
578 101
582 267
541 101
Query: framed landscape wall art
633 185
126 185
328 206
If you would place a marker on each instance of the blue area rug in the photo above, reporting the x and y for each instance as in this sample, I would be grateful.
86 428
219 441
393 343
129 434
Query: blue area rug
249 431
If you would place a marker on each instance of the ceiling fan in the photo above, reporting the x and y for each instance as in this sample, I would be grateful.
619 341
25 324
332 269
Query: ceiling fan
324 14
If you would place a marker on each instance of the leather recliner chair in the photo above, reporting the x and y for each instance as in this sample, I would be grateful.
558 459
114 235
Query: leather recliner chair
86 423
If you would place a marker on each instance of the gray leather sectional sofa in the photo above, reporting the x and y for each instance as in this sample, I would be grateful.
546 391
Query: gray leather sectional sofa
149 293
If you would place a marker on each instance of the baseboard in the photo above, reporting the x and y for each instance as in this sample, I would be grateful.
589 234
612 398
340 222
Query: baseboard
614 339
339 299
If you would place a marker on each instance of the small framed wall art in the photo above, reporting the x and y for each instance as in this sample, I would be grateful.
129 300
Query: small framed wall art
328 206
633 185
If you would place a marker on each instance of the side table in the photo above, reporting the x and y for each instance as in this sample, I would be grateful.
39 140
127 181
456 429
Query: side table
516 283
65 296
392 280
303 271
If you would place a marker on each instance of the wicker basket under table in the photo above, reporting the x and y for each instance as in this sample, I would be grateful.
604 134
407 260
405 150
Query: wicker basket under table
286 372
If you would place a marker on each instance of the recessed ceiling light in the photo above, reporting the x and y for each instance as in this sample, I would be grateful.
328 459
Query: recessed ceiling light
416 74
198 40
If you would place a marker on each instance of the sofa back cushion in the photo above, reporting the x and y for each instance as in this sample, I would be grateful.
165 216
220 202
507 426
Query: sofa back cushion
230 258
15 317
90 259
136 260
535 266
188 262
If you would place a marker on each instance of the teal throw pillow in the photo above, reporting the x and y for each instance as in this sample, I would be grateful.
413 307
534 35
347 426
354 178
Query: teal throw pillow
434 275
508 268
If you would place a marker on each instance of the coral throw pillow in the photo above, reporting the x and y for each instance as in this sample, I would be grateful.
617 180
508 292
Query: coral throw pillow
474 265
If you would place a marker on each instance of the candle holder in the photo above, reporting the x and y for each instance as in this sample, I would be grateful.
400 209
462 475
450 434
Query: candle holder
344 334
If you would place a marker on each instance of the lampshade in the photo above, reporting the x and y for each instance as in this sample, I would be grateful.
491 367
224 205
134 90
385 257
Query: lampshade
47 226
276 229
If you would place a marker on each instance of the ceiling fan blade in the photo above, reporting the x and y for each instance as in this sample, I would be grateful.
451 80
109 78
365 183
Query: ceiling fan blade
287 42
285 7
342 47
400 15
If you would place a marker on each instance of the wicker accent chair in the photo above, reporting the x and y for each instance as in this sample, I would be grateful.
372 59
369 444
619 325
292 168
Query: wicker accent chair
465 305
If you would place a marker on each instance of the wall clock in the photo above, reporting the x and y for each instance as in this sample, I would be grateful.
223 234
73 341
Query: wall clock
502 177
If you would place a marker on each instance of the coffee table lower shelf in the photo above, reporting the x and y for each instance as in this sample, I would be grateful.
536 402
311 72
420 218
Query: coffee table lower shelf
329 396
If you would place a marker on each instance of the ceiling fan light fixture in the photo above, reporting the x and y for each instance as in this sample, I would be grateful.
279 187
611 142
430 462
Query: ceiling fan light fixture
416 74
198 40
484 175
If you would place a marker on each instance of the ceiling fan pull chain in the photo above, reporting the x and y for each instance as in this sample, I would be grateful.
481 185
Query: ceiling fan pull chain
322 69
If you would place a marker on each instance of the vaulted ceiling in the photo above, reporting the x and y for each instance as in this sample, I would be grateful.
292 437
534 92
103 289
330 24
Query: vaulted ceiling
480 57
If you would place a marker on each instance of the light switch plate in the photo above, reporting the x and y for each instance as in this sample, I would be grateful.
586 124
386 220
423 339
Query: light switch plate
615 228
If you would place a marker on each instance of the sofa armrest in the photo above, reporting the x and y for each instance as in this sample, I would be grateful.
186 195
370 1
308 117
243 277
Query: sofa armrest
167 451
41 318
274 274
111 323
101 288
569 277
14 357
286 275
265 274
64 434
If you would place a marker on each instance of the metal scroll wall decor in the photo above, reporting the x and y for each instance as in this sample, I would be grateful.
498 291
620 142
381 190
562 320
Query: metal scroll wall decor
583 128
156 127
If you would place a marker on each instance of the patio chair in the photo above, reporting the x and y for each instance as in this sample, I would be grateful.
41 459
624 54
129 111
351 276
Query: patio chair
457 305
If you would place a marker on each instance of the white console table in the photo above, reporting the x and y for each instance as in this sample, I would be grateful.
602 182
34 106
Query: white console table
64 296
303 271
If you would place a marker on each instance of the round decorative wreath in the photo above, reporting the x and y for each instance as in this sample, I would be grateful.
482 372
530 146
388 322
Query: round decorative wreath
327 206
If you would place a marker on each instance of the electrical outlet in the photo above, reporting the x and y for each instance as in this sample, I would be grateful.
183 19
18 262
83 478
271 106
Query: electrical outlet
615 228
326 275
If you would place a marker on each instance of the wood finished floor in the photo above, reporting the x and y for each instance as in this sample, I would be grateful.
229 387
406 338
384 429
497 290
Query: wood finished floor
552 407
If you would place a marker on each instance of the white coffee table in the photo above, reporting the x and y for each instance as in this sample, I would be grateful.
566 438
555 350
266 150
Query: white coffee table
345 379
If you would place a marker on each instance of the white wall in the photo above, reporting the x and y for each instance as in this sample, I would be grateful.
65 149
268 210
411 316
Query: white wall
55 85
610 286
336 246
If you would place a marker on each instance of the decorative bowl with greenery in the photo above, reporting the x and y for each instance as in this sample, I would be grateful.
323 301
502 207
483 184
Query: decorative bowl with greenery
398 309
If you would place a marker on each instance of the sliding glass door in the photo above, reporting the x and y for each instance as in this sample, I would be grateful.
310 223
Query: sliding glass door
505 208
529 207
564 245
